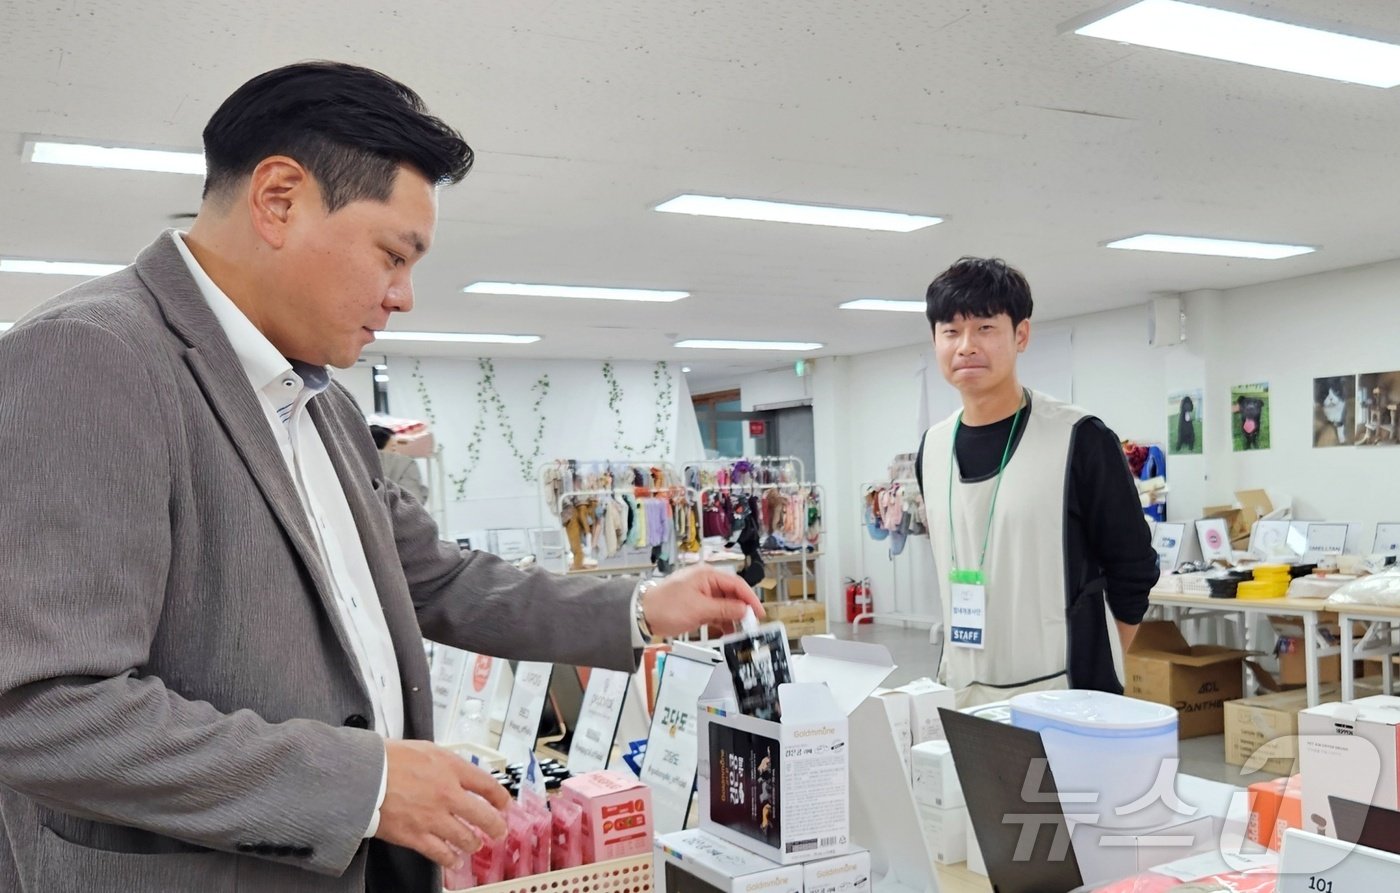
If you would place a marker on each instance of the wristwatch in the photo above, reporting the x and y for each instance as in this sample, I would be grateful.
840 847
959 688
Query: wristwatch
641 615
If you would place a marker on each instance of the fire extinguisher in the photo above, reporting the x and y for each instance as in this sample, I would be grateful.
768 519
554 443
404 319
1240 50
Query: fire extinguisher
858 599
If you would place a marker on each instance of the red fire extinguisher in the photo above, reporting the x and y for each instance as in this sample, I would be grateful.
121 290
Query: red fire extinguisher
858 599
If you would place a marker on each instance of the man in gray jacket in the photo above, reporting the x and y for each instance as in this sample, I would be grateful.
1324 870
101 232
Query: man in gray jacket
211 600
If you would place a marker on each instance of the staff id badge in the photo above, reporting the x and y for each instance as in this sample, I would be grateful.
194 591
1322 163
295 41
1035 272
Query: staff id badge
969 602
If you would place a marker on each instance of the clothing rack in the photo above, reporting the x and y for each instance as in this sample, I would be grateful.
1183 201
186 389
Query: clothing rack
688 500
897 614
810 492
759 461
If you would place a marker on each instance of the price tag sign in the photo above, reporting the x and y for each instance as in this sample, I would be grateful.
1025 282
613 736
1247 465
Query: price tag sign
1387 540
1326 539
449 664
1214 535
1166 539
1314 864
525 710
592 744
673 752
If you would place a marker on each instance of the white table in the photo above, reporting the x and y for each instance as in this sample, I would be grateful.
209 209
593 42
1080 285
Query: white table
1195 607
1378 641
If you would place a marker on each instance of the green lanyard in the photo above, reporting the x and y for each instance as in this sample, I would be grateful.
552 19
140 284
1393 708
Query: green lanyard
959 575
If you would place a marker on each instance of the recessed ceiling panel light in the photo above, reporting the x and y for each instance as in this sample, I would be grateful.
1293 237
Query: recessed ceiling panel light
1211 247
456 337
56 267
119 157
708 344
584 292
1235 37
886 305
685 370
783 212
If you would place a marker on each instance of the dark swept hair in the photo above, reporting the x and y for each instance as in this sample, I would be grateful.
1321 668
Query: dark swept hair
979 288
351 127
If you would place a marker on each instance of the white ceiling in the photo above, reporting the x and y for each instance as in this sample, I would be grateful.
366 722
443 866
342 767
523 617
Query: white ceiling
1035 145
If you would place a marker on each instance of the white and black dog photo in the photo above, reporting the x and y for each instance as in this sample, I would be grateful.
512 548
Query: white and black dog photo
1334 410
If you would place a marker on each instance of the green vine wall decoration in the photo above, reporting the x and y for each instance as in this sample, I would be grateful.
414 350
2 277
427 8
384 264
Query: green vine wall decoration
664 386
488 398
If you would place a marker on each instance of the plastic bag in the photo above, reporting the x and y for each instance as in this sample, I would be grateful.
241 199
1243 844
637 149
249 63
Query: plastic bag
1380 589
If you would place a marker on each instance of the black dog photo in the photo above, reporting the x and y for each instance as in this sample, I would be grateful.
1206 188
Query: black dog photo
1184 423
1250 407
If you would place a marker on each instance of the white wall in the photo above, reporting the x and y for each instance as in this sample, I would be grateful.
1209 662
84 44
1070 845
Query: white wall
578 424
1285 333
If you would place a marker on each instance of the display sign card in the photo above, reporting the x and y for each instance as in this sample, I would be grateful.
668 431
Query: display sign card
1214 534
672 754
1166 539
445 675
1326 539
1387 540
525 710
1270 539
592 744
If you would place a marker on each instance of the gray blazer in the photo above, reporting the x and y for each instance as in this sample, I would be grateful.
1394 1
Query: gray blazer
179 707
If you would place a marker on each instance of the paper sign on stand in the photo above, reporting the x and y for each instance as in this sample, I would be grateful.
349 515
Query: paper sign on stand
526 709
1270 540
672 745
1311 863
1167 539
470 721
1387 541
1326 539
596 729
445 676
1214 534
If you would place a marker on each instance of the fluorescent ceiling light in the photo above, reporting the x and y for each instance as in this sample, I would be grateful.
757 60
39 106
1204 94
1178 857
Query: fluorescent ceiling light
782 212
56 267
706 344
120 157
685 370
456 337
574 291
883 304
1235 37
1212 247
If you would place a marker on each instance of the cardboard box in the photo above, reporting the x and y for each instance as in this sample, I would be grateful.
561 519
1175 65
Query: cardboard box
690 856
935 780
1241 518
1290 813
1348 750
844 874
802 618
925 697
617 818
897 708
946 833
1195 679
799 768
796 587
1267 725
1293 664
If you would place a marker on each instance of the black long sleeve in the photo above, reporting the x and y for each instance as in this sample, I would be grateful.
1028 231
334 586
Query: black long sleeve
1106 536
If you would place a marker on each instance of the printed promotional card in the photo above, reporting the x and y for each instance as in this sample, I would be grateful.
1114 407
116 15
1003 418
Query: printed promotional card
759 663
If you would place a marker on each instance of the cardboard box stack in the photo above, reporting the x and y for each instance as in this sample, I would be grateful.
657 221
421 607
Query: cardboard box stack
1195 679
1261 732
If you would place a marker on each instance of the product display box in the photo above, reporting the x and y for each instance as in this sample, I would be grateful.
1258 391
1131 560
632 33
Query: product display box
1195 679
935 779
697 862
925 697
844 874
946 833
1274 806
617 820
1348 750
897 708
781 789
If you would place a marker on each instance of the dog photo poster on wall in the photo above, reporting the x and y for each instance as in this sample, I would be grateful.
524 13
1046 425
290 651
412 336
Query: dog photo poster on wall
1184 423
1334 411
1249 407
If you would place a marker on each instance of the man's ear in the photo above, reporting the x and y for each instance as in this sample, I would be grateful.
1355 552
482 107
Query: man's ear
1023 335
278 189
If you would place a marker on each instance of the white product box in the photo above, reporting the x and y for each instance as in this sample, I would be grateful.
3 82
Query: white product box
946 833
935 779
721 865
897 707
782 789
925 697
844 874
1108 854
1348 750
975 863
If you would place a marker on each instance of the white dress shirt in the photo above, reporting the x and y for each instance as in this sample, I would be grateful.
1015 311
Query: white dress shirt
284 392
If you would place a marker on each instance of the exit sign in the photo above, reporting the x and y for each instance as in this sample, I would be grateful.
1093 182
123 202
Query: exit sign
758 428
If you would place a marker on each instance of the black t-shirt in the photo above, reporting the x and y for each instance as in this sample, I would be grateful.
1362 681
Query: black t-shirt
1108 548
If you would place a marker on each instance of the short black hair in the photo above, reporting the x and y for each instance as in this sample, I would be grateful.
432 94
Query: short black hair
979 287
351 127
381 435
